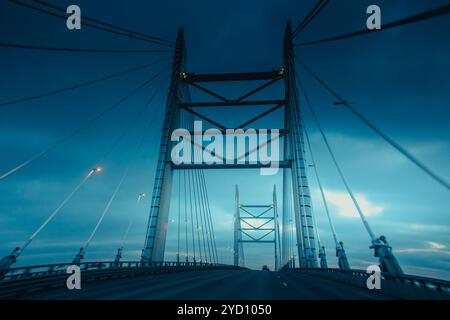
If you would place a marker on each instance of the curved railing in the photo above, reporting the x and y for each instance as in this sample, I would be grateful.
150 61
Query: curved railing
411 281
60 268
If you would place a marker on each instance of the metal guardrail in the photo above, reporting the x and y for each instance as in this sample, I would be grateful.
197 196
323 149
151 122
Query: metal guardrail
52 269
410 280
20 281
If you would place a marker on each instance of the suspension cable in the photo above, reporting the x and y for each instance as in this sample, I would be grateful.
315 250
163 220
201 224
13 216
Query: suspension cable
75 132
185 188
324 201
46 48
69 197
101 25
211 225
137 115
197 218
192 215
106 24
314 165
138 148
409 20
150 126
203 219
186 217
130 223
203 212
83 84
393 143
291 222
338 168
179 217
57 210
126 171
105 210
311 15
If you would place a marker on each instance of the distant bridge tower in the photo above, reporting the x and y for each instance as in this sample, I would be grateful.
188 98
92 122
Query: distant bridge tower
256 224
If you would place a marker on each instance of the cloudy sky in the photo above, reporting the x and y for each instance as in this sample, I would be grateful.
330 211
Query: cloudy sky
397 78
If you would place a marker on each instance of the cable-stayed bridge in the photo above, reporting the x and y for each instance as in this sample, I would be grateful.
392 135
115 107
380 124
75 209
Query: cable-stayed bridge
300 261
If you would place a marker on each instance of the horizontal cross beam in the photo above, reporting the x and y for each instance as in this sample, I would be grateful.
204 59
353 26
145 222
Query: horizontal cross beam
232 103
245 133
261 241
194 166
255 206
220 77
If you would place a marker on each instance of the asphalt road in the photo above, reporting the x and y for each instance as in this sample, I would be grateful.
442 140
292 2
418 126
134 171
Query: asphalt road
215 284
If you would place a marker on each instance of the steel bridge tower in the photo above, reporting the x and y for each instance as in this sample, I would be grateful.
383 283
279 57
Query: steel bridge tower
251 226
291 161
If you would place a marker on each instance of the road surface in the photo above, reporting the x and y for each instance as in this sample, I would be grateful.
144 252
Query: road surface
215 284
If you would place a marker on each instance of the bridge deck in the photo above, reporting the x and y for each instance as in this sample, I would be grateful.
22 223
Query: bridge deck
215 284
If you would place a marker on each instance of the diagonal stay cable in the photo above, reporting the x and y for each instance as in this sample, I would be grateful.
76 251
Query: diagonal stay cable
46 48
186 217
83 84
320 5
197 217
137 115
210 223
70 196
205 218
105 210
74 133
102 26
319 183
337 166
393 143
45 3
179 217
55 212
137 149
191 216
405 21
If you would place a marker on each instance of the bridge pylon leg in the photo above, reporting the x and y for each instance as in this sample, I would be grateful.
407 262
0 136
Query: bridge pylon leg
238 251
296 151
157 226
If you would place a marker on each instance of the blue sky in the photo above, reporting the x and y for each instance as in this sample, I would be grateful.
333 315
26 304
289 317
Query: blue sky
397 78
